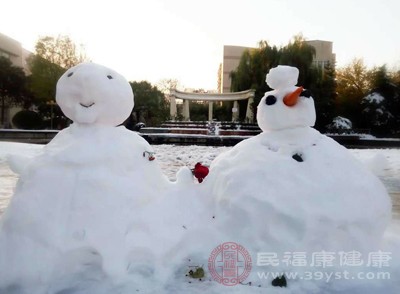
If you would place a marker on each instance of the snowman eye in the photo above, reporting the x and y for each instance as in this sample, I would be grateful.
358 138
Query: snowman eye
109 77
270 100
306 93
70 74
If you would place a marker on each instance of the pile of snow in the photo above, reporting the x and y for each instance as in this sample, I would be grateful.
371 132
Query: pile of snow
79 210
282 76
93 212
340 123
374 98
378 164
294 189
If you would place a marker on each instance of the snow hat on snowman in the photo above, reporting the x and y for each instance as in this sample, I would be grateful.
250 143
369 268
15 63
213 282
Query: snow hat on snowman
90 93
286 106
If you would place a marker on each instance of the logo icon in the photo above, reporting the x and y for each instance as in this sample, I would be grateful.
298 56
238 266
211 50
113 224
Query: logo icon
229 264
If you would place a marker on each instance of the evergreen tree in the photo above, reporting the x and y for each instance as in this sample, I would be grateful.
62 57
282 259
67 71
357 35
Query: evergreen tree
323 89
13 87
299 54
151 106
381 107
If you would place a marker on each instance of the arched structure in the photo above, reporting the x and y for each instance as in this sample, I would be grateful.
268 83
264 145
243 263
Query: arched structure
211 98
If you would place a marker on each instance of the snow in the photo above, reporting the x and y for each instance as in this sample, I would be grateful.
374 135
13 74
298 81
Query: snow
341 123
94 212
92 93
294 187
178 135
171 158
318 214
94 181
282 77
374 98
276 115
272 176
371 137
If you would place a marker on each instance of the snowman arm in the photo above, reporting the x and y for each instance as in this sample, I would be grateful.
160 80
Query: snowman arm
18 163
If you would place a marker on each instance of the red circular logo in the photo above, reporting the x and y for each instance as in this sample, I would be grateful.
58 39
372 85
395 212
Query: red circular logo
229 264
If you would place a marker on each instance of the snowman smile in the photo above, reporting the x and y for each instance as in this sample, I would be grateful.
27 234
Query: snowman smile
87 105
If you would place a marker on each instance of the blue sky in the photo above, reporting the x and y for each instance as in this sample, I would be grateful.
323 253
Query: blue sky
153 39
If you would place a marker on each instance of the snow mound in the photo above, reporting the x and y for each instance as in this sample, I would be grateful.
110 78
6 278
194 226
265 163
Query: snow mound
340 123
297 195
80 212
291 189
378 164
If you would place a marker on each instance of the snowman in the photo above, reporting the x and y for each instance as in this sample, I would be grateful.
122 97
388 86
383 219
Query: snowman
81 203
293 189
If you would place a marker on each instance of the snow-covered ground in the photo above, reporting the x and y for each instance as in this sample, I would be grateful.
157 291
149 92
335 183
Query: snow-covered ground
384 162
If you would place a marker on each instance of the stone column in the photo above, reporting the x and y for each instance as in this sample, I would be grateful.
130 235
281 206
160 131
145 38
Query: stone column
172 107
210 110
186 111
235 111
249 112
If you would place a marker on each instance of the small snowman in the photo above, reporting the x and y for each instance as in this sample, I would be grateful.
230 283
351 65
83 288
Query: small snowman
293 189
86 193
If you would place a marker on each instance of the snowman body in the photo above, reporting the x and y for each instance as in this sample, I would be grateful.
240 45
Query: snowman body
87 191
293 189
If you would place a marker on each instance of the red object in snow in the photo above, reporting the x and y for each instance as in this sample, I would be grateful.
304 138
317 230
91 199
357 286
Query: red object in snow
150 155
200 172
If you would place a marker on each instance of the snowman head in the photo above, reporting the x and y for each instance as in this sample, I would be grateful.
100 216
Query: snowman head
90 93
287 106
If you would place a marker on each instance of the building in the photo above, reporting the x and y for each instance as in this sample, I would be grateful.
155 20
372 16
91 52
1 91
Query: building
232 55
12 50
323 53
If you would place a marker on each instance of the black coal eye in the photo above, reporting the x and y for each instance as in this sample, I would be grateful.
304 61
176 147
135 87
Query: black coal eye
306 93
109 77
70 74
270 100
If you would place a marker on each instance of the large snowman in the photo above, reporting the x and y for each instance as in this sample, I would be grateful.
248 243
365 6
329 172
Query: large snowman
80 205
293 189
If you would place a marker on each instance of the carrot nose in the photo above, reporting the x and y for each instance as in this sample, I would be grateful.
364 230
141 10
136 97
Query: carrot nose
291 98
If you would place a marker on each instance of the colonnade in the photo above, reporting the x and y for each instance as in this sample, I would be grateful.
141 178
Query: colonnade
211 98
